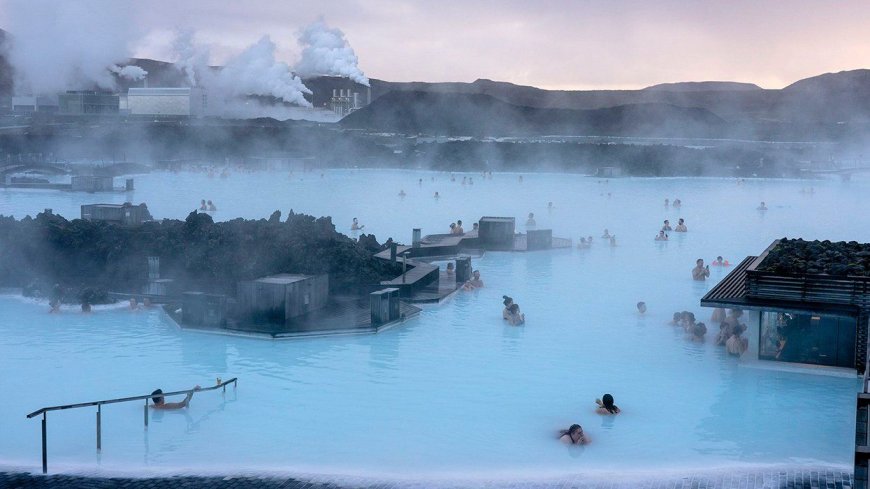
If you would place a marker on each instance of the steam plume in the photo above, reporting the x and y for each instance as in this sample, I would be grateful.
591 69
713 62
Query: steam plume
130 72
325 51
51 51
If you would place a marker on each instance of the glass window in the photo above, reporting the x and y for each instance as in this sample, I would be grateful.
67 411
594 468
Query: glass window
805 338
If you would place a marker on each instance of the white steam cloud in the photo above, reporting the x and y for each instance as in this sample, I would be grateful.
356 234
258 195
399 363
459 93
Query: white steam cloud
325 51
52 48
130 72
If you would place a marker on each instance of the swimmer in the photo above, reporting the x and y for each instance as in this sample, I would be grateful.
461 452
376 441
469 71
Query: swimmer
211 207
86 308
470 180
531 220
606 406
736 345
475 227
452 228
681 226
661 236
437 196
719 262
506 313
573 436
459 229
667 226
402 193
451 270
475 282
606 234
700 272
583 243
160 403
202 205
641 307
589 240
676 320
515 317
420 182
521 179
762 207
698 332
464 180
667 203
146 303
452 178
354 226
718 315
677 203
133 304
550 206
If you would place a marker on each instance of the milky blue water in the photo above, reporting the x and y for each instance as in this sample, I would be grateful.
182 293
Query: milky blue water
454 391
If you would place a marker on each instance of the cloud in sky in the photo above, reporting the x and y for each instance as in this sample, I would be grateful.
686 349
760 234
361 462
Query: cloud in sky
554 44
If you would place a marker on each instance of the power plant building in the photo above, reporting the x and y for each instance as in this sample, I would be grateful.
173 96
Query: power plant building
166 101
87 102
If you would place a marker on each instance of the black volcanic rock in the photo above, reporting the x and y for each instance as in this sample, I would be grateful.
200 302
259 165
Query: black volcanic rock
483 115
832 97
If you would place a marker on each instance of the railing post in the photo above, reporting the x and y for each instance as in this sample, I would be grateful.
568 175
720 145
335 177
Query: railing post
44 445
99 428
146 414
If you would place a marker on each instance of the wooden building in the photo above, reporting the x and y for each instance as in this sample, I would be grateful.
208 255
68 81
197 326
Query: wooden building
809 318
280 298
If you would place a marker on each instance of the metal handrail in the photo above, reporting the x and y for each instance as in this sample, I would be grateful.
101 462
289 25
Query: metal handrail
134 398
44 412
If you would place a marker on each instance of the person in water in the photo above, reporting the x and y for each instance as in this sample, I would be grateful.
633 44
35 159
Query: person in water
451 271
677 203
515 317
437 196
583 243
641 307
661 236
402 193
475 227
160 402
202 205
667 226
134 305
506 313
612 240
354 226
737 345
573 435
667 203
531 220
719 262
697 332
700 272
606 406
676 319
452 228
718 315
459 229
606 234
475 282
211 206
762 207
681 226
549 206
86 307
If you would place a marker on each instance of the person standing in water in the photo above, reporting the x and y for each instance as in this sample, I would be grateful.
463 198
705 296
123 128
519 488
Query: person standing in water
160 402
700 272
531 220
354 226
681 226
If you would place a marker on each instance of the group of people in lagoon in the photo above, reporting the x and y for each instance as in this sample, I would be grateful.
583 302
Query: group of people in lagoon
575 435
207 206
730 334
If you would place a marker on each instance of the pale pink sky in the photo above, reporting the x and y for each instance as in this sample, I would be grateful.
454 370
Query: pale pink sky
551 44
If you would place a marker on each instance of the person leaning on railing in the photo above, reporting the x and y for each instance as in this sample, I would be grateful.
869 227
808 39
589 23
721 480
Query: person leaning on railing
160 402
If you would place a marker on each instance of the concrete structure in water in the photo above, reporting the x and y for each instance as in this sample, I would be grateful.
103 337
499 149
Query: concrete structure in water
125 214
280 298
92 183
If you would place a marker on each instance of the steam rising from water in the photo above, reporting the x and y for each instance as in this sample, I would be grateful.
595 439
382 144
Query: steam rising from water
325 51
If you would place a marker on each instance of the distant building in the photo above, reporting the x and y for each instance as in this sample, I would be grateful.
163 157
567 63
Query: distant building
344 101
280 298
190 102
87 102
29 104
125 214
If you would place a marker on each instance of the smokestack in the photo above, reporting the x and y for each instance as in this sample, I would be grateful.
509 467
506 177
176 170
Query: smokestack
334 93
